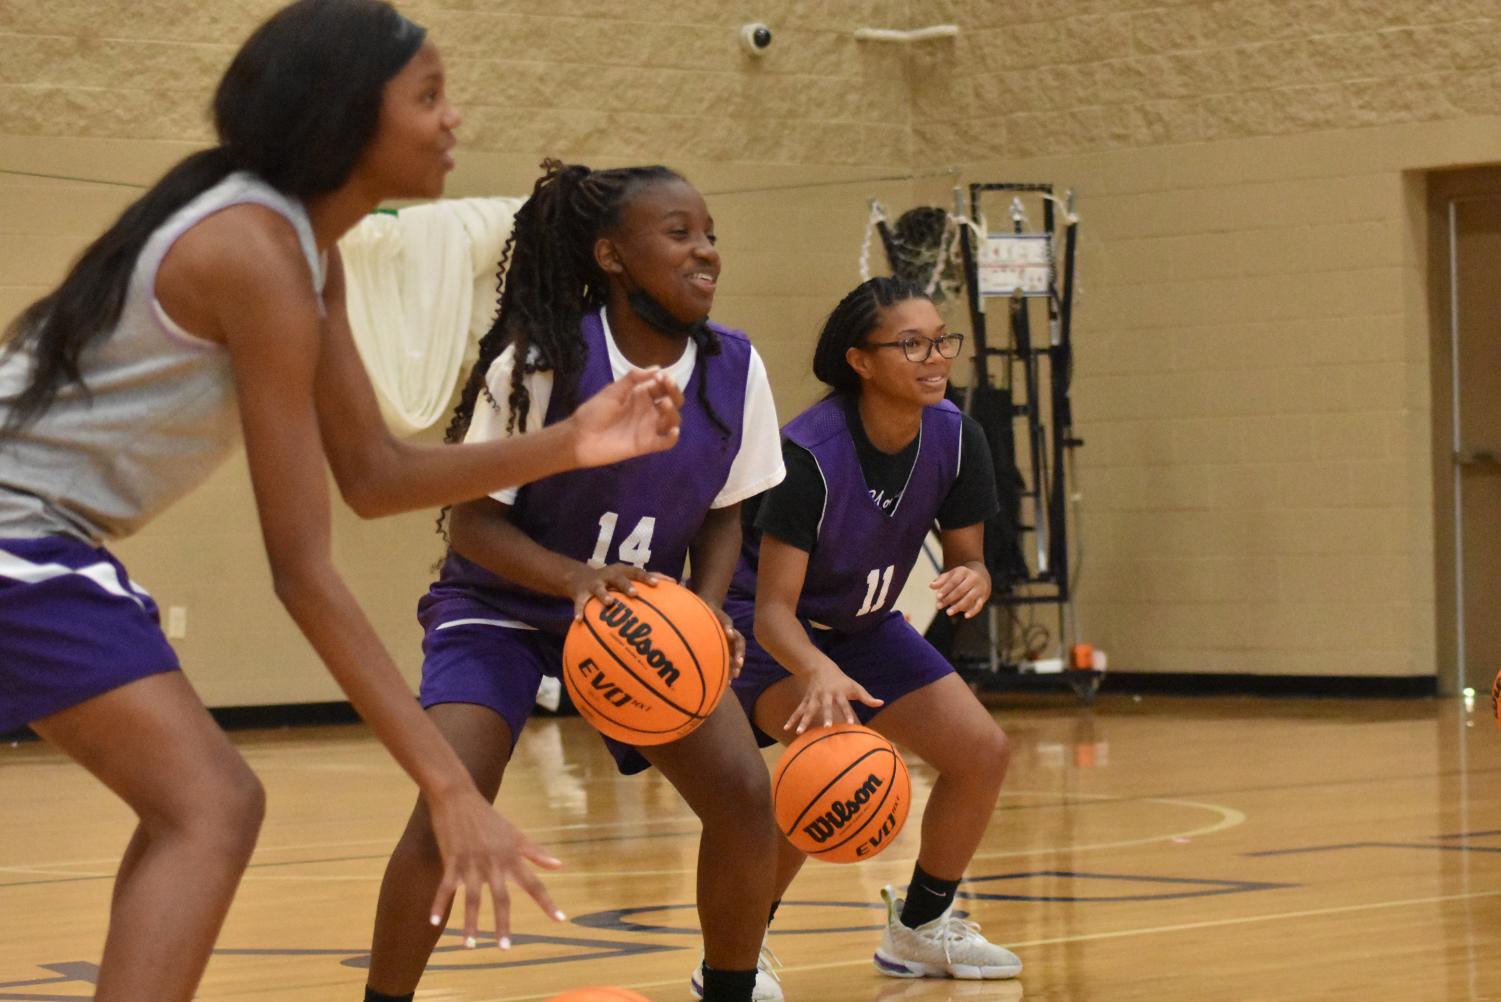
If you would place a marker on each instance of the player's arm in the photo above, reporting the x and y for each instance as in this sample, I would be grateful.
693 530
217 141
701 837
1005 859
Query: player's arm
788 518
964 586
713 554
483 531
380 474
249 267
827 690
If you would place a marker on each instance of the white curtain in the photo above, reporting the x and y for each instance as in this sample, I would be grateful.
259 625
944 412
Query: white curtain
421 288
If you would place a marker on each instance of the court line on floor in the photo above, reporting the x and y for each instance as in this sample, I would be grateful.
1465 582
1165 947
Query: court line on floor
390 842
1093 936
1229 818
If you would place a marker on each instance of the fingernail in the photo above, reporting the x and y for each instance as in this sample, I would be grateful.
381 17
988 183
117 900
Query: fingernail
436 919
470 942
560 916
505 942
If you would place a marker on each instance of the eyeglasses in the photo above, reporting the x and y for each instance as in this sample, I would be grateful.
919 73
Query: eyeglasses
917 348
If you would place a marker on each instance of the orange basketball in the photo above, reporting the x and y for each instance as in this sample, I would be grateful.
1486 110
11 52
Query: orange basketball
600 995
841 793
649 669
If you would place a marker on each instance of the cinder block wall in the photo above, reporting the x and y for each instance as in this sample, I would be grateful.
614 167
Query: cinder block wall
1253 355
1252 342
116 91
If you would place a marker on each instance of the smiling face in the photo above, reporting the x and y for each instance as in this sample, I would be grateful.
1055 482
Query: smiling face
883 367
410 155
663 245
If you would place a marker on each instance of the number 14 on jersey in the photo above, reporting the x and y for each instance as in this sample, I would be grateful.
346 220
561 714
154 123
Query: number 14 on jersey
634 549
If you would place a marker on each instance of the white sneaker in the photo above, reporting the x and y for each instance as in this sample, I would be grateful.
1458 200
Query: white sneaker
768 983
946 947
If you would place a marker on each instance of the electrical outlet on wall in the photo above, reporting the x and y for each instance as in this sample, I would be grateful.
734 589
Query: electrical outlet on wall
177 622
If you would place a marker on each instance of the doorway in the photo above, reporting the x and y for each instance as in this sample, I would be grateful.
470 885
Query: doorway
1467 425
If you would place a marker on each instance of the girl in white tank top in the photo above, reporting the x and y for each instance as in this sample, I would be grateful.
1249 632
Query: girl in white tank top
210 309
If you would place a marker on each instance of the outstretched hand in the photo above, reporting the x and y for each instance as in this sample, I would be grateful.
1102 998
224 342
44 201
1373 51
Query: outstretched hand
636 414
480 848
827 693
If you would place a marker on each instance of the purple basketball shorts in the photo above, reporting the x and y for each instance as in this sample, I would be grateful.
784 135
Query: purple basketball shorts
72 626
469 660
890 659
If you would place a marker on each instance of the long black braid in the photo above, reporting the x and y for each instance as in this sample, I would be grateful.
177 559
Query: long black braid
549 280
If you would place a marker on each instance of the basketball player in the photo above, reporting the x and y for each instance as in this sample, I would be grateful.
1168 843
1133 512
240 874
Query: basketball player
606 271
870 469
216 303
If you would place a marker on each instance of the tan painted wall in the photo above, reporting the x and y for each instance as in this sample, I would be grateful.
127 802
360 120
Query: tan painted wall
1253 332
115 91
1252 329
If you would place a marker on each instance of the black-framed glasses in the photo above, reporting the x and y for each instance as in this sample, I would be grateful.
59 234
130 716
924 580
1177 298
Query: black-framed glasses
917 348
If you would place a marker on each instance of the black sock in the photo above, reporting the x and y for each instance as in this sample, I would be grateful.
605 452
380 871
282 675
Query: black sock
773 914
371 995
728 986
927 897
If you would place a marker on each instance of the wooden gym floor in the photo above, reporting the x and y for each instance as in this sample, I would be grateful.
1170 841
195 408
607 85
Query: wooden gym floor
1154 849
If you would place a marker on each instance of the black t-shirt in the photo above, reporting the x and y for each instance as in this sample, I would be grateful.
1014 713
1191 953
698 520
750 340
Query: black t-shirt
791 510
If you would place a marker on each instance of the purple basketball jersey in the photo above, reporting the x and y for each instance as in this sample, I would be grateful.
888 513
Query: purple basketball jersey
863 555
644 511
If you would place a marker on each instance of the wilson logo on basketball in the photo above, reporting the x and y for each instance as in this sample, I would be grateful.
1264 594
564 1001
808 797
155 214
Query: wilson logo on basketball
637 635
842 812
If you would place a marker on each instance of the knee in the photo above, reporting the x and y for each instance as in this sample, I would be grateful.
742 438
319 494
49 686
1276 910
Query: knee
242 809
993 755
418 844
740 801
986 755
228 818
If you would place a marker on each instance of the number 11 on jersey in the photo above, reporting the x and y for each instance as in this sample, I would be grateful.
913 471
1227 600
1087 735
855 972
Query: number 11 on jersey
876 579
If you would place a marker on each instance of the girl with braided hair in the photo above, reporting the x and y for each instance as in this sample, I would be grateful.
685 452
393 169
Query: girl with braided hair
213 310
605 271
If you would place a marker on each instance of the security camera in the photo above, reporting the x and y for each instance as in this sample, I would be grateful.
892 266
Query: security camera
755 38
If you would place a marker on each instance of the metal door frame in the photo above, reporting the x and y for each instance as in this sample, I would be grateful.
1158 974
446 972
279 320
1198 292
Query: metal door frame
1457 457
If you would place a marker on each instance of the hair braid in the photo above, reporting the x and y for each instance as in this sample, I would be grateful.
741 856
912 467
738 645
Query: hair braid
548 281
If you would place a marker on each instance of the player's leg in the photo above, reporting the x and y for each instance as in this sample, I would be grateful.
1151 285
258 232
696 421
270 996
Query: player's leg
404 934
720 773
773 708
970 753
199 808
478 684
